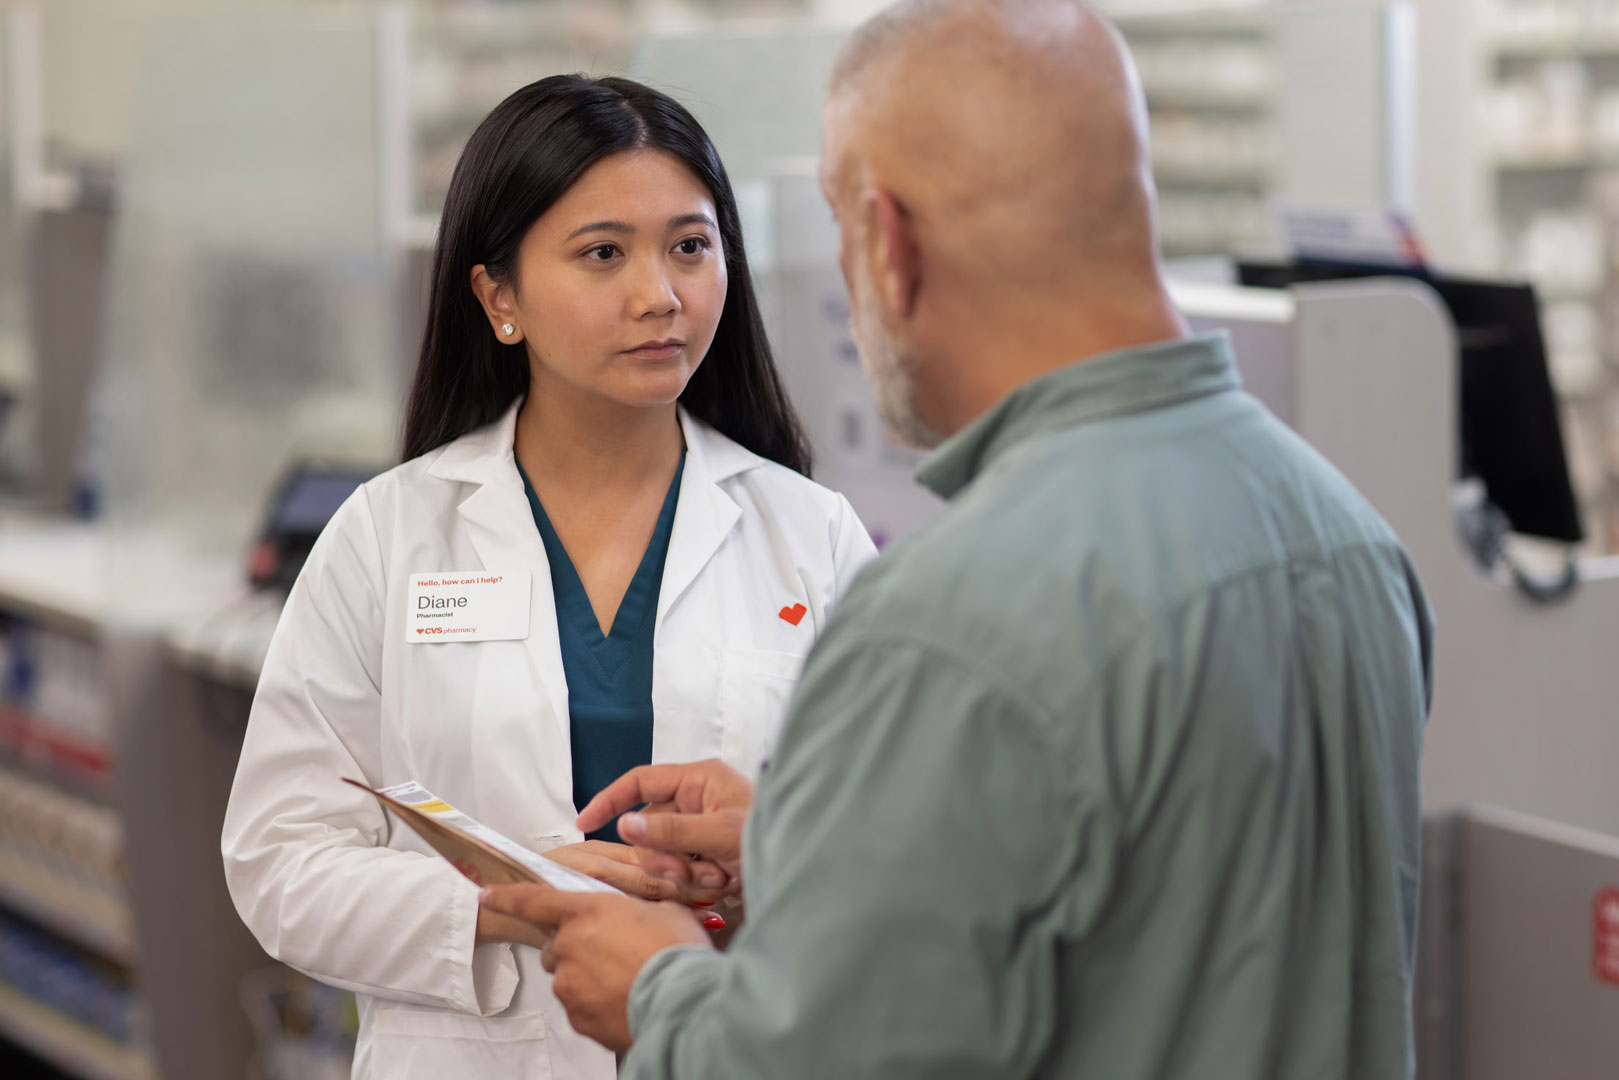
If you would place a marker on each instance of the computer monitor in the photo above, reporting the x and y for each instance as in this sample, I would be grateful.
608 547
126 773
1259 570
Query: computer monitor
302 504
1511 438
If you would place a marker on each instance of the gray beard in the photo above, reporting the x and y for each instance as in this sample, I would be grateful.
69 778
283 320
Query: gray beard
891 374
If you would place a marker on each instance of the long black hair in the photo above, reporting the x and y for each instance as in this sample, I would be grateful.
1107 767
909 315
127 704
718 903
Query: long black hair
519 161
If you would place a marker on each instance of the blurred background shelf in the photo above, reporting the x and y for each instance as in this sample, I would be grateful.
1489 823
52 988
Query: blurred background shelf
1186 175
58 903
1599 46
67 1045
1555 162
1190 97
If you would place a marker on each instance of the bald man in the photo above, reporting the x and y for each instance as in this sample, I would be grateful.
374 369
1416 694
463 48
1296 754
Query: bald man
1112 771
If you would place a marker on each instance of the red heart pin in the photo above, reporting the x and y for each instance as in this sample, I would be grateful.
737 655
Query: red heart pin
794 614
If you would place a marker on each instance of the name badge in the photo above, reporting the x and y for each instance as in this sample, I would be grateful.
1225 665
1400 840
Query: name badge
474 605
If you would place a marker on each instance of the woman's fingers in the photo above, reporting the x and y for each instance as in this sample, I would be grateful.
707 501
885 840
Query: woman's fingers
631 878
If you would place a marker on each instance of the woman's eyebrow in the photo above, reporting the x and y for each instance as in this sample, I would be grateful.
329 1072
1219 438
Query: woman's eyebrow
691 219
626 228
603 226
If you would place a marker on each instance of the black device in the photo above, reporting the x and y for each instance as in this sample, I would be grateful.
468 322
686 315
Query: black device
304 501
1510 435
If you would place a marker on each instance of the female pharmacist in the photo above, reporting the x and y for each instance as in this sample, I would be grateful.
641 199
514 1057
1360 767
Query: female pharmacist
602 550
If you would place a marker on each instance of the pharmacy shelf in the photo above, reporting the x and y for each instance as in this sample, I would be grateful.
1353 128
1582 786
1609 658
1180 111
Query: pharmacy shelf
53 571
1536 183
83 915
239 672
1183 20
1594 46
83 765
1175 247
503 28
66 1044
1186 175
1200 98
229 644
1554 162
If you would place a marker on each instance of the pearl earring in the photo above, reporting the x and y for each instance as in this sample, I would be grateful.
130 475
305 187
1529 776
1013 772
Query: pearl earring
507 329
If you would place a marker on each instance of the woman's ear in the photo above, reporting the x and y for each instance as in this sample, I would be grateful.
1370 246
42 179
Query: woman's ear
497 305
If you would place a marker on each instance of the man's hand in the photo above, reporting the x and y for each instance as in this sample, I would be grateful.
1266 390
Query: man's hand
691 830
598 944
493 928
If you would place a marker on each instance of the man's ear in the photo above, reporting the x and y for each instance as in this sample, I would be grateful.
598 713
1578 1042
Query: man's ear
497 305
891 252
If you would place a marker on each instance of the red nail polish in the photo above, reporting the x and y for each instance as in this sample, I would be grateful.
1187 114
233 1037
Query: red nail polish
702 903
713 922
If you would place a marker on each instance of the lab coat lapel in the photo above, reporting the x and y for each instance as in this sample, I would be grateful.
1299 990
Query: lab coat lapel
704 513
685 688
500 524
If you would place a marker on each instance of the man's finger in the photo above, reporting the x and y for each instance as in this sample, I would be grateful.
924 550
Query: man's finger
714 836
498 927
537 904
644 784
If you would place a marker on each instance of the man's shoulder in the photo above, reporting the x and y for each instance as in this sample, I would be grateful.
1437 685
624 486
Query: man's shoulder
1088 535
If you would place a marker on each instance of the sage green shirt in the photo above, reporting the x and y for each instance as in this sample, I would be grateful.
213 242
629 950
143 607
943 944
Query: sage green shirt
1110 773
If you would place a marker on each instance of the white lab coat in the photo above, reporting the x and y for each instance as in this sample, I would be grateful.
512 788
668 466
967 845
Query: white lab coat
333 887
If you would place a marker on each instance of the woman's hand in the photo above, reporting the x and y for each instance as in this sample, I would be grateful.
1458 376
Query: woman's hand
619 866
615 864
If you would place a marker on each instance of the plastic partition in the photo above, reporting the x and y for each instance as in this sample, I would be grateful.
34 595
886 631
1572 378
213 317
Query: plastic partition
249 285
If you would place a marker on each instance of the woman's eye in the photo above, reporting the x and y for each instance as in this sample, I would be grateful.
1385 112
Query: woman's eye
602 253
692 245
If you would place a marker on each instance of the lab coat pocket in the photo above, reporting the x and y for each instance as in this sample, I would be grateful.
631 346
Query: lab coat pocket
755 687
431 1043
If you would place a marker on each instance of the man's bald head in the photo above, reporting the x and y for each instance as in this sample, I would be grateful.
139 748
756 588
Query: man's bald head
1015 126
987 163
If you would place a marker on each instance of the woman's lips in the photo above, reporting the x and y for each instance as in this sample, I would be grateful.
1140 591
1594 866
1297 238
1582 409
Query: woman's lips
662 349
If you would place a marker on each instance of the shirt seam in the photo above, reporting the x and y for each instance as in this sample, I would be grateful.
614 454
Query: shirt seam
376 541
951 654
379 599
1011 456
1172 610
1130 637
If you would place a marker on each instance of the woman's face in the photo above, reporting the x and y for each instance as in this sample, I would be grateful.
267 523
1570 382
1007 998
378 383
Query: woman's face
620 283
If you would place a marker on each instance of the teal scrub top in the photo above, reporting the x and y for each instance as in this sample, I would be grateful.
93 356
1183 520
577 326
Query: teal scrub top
609 676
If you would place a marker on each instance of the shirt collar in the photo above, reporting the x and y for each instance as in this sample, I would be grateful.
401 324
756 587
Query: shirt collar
1107 385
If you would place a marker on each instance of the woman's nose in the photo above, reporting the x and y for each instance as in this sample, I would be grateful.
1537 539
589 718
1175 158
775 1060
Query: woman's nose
654 295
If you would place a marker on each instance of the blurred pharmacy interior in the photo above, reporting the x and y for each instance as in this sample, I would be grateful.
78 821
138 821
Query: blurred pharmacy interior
215 226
